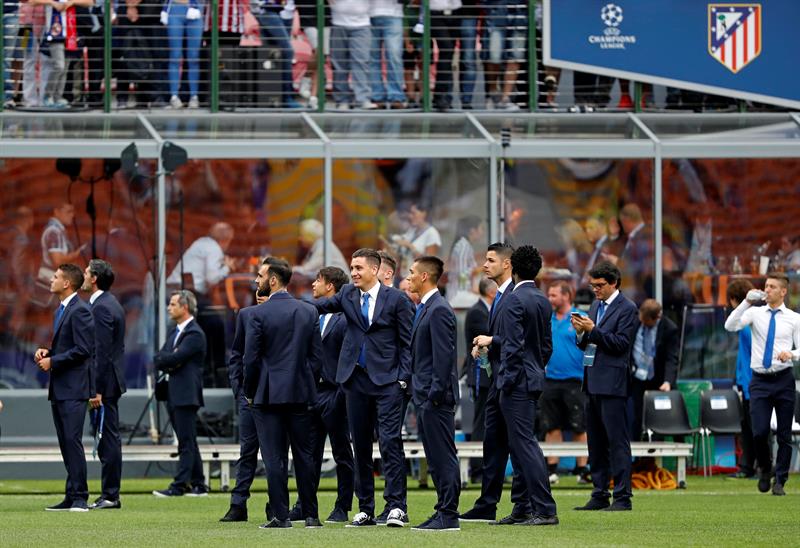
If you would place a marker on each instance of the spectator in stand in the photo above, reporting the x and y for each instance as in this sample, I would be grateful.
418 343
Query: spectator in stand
274 31
562 400
234 20
463 271
737 291
350 42
467 46
597 234
11 18
31 16
53 59
184 21
412 55
515 51
655 358
311 238
57 248
386 18
89 19
307 10
591 90
492 42
422 238
637 255
445 29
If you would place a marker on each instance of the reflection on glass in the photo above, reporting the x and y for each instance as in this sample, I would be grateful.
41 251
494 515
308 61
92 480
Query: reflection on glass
562 126
54 126
396 126
231 127
727 127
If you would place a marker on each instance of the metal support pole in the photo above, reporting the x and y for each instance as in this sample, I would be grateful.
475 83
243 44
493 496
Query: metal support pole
214 88
107 7
533 69
327 195
2 55
426 57
161 228
321 58
494 198
658 216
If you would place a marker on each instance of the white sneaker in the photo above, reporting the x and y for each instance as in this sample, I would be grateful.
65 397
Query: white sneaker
396 518
313 102
194 102
305 88
342 106
553 479
175 102
362 519
368 105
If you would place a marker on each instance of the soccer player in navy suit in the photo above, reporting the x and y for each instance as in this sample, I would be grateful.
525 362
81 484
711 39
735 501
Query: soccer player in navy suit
435 389
109 359
606 336
182 358
69 362
374 369
497 267
330 411
526 347
282 357
248 435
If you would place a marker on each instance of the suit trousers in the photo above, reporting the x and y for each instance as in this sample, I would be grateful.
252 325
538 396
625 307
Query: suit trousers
747 460
109 448
330 419
496 452
190 465
519 409
248 455
437 429
69 417
767 392
608 438
478 429
368 403
280 426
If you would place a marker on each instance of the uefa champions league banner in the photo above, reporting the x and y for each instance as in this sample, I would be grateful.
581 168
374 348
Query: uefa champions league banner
741 49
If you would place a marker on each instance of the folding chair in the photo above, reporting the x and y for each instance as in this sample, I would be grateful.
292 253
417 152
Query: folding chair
665 414
720 413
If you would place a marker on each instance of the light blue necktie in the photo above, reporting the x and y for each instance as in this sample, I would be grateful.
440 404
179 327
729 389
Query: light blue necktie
420 306
59 314
362 356
322 324
495 303
601 312
767 361
175 340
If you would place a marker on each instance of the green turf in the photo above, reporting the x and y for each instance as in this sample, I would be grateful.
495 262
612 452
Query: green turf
711 512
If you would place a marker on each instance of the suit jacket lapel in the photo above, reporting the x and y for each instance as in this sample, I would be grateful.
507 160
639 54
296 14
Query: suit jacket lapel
425 308
356 300
498 307
612 308
64 315
330 324
380 302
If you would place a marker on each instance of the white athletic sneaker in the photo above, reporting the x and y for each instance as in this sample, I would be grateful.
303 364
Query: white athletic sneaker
396 518
553 479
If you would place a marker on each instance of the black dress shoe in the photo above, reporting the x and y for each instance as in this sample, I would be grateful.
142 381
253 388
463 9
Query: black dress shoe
235 513
313 523
337 516
540 520
618 507
105 504
296 513
198 491
79 506
475 514
763 483
62 506
512 519
168 493
594 504
777 489
276 523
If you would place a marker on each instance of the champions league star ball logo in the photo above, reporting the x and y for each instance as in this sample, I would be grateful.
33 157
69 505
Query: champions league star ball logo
611 14
612 37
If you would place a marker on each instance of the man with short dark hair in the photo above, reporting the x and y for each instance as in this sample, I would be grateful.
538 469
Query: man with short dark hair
374 369
387 270
497 267
435 389
109 336
776 344
181 359
282 357
69 363
606 338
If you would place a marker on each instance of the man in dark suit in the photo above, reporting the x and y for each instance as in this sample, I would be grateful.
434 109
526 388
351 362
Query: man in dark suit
477 323
248 435
655 358
497 267
374 369
182 358
330 411
109 356
606 336
527 345
435 389
69 362
636 259
282 357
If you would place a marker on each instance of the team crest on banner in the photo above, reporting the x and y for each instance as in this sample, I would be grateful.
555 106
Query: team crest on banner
734 34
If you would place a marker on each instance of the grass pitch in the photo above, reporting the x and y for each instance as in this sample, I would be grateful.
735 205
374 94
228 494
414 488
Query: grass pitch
711 512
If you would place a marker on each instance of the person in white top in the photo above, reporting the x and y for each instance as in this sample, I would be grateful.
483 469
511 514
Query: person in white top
775 345
311 232
420 239
205 259
350 42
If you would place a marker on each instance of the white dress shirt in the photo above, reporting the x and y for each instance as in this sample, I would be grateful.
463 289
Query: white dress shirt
373 298
326 318
522 283
787 334
67 299
95 295
180 327
428 295
205 261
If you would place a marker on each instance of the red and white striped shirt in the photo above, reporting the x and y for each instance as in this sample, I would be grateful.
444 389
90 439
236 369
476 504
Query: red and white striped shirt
231 15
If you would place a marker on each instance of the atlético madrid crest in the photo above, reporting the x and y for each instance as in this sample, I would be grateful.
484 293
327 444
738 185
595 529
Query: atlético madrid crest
734 34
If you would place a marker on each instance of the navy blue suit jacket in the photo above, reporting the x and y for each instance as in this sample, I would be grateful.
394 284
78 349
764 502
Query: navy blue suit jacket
527 339
388 338
610 374
434 354
476 323
282 352
109 349
496 331
71 353
184 363
332 340
236 361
